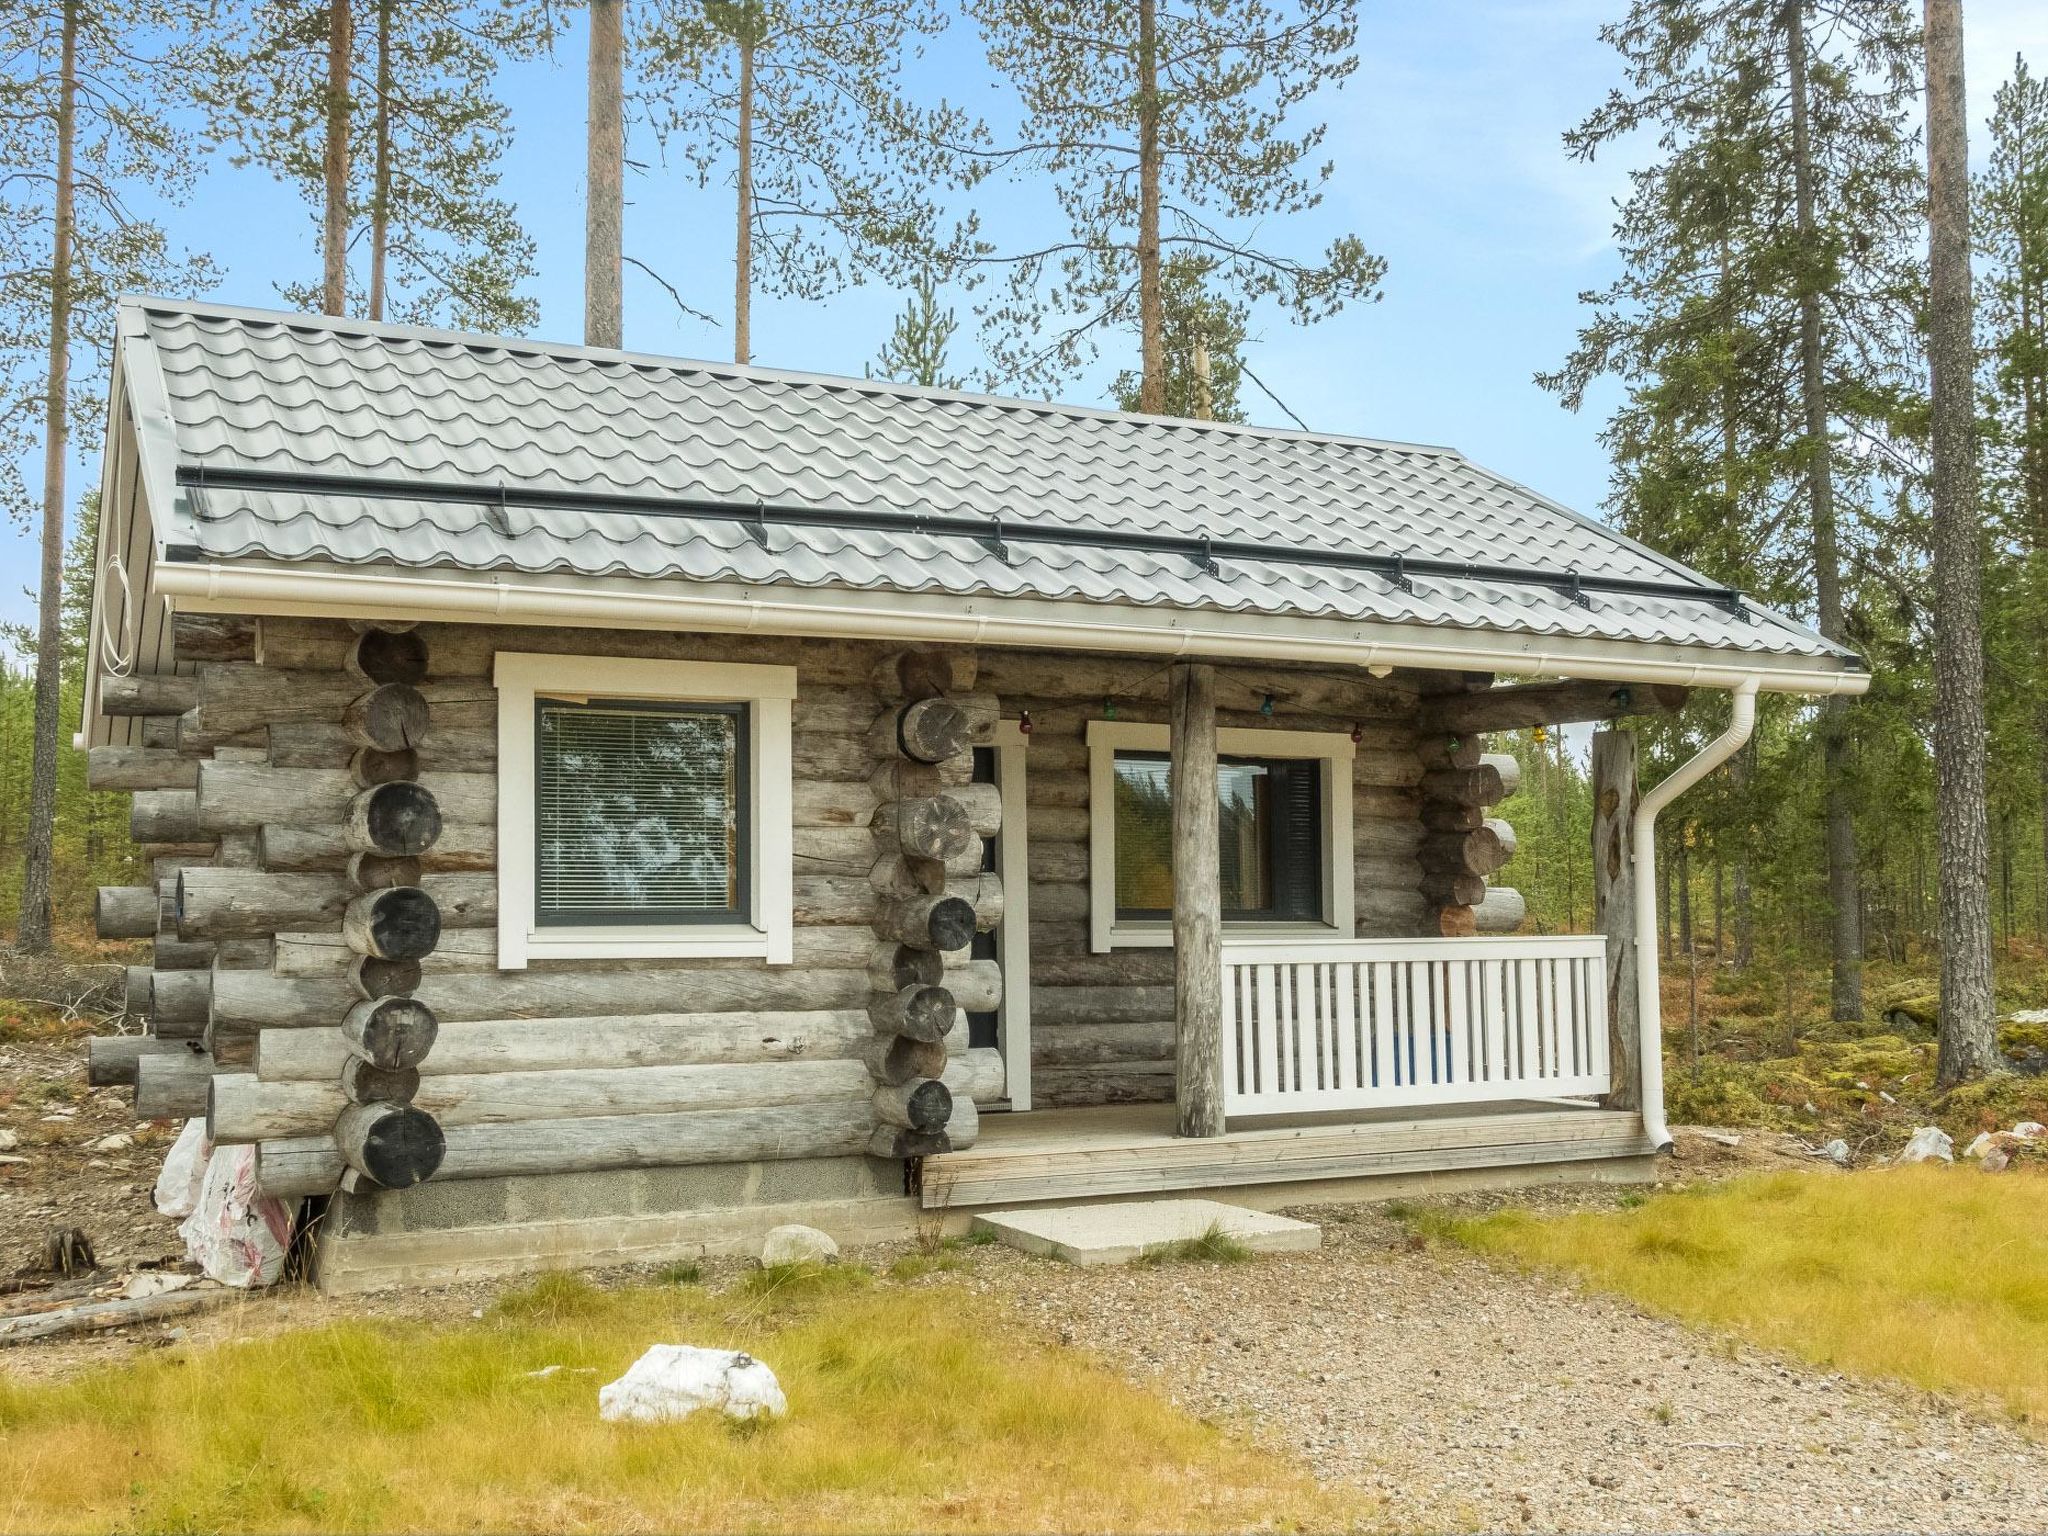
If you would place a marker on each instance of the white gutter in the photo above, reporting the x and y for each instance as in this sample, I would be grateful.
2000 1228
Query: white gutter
1649 1000
836 613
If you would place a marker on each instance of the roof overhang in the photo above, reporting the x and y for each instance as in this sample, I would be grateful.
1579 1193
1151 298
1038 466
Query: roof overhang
366 592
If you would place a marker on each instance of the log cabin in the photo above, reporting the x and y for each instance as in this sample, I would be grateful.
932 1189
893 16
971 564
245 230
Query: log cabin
601 806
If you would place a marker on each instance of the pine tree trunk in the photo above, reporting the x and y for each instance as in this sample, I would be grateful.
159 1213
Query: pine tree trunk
743 235
32 936
380 196
1843 897
1151 300
335 161
1969 1037
604 178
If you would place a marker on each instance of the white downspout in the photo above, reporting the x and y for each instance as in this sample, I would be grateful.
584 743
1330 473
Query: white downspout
1649 1000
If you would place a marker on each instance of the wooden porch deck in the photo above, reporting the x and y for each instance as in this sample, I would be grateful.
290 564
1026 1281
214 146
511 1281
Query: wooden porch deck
1126 1149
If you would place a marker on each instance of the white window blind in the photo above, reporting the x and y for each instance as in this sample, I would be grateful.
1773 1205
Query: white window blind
639 812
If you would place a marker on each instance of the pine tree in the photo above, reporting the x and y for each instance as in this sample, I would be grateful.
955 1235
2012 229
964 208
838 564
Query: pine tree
833 166
1204 346
383 116
84 144
915 352
605 191
1163 127
1765 309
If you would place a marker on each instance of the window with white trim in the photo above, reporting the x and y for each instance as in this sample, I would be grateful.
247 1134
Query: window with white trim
644 809
1285 855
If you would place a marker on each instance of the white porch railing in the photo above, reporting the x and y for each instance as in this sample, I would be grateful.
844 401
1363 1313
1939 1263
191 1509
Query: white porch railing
1372 1023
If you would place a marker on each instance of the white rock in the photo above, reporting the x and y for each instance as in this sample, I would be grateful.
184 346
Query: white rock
1929 1143
155 1282
2030 1130
9 1140
796 1244
1979 1146
672 1381
1836 1151
120 1141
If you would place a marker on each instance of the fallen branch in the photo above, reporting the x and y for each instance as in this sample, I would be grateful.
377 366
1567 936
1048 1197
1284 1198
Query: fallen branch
99 1316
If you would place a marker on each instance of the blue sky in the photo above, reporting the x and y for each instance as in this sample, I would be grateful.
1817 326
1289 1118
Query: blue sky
1446 143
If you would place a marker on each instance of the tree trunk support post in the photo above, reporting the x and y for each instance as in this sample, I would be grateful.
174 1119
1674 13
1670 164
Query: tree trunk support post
1197 902
1614 908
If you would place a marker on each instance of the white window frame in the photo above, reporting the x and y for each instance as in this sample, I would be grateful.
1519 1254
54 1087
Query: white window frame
1335 750
767 692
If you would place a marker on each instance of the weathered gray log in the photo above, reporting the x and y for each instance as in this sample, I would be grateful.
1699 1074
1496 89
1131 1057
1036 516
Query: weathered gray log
1087 1045
898 1058
377 872
493 1046
896 966
891 877
312 1165
924 673
132 768
1450 816
974 1075
1614 909
171 953
251 1000
402 923
924 730
393 1146
922 1104
922 1013
180 997
1053 1006
935 827
94 1316
136 981
983 893
233 697
368 766
929 922
1501 912
1520 706
172 1086
1197 901
1450 751
1453 888
380 656
110 1060
213 637
251 795
391 717
324 744
1483 785
390 1032
373 976
285 849
397 820
148 694
1457 922
247 1108
1481 851
125 912
164 816
364 1082
161 732
240 903
893 1143
976 985
963 1126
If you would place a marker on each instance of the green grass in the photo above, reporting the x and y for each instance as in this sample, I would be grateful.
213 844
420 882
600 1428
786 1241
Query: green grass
1214 1246
905 1415
1936 1276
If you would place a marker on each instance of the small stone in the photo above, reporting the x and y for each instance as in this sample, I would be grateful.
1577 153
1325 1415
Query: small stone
9 1140
797 1244
120 1141
1836 1152
2030 1130
1929 1144
1996 1160
1979 1145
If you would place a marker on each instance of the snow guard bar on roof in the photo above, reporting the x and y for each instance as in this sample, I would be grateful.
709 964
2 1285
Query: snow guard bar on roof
993 533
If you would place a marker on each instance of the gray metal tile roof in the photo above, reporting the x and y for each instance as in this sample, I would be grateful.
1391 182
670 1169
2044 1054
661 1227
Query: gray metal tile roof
251 391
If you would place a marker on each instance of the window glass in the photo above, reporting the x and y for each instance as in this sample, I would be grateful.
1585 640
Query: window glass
640 813
1269 843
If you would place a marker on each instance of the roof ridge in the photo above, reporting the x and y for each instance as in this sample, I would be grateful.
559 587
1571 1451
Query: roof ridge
756 373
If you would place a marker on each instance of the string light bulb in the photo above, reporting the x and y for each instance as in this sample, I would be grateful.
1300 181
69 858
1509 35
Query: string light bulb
1024 723
1266 705
1357 733
1541 734
1109 709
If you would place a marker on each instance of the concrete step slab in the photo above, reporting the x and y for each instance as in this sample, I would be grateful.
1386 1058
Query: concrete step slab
1116 1232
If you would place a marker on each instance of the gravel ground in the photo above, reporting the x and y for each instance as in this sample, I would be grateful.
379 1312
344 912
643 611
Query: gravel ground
1469 1396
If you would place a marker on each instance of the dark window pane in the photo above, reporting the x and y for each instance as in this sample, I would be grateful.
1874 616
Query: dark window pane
638 813
1269 854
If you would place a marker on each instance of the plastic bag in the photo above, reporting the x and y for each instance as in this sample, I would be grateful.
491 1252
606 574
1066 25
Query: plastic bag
237 1234
177 1187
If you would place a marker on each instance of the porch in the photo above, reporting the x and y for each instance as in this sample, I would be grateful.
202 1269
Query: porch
1347 1060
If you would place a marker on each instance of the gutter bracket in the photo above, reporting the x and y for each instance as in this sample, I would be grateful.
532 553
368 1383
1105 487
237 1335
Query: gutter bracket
1206 558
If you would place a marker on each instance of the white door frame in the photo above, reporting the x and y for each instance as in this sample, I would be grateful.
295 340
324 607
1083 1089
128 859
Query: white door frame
1013 938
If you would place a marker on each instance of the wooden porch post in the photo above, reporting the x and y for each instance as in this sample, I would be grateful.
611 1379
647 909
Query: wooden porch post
1614 907
1197 902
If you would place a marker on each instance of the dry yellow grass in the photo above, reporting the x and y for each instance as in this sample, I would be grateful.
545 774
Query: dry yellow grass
1933 1275
911 1409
